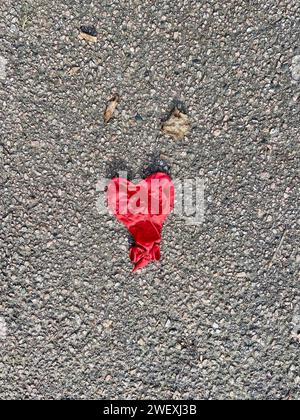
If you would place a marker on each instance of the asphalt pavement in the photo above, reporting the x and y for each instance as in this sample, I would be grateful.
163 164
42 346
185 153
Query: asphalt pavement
219 317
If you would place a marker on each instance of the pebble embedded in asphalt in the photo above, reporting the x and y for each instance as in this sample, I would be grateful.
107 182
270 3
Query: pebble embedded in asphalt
80 325
296 68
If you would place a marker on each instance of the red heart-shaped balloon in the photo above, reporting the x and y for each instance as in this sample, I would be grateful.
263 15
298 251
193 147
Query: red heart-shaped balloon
143 209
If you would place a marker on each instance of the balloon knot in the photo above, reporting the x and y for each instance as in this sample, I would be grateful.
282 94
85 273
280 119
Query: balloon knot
142 256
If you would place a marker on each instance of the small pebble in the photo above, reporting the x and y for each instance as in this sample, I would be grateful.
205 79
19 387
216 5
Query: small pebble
3 64
138 118
3 329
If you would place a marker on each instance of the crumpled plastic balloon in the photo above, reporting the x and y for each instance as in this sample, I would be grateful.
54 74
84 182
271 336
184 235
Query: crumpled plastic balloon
143 209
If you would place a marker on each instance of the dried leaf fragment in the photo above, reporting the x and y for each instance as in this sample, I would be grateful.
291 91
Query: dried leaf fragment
111 108
88 33
177 126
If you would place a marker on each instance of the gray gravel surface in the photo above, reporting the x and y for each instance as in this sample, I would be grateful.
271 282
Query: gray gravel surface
219 318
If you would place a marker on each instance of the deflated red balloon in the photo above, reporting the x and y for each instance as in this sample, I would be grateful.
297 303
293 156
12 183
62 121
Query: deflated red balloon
143 209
